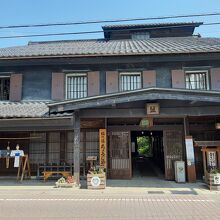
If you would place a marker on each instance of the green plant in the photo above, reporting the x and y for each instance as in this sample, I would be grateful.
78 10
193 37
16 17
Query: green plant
96 171
214 171
144 146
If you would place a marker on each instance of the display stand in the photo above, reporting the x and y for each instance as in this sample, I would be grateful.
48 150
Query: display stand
24 168
211 164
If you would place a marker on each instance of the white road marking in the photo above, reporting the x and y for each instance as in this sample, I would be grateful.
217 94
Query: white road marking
111 199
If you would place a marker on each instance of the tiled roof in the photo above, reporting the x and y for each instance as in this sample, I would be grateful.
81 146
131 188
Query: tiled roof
179 24
152 46
23 109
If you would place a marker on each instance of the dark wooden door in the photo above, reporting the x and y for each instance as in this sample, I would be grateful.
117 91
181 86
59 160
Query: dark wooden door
119 164
173 151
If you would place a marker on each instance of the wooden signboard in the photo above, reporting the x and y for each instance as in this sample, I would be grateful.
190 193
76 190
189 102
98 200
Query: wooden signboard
153 108
103 148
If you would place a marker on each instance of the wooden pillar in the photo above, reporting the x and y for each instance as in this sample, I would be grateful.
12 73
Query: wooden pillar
76 147
190 160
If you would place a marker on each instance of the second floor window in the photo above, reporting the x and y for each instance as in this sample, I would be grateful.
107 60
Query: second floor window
197 80
76 86
130 81
4 88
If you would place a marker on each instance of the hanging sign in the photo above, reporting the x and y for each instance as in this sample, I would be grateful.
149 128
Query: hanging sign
102 148
189 150
146 122
211 160
153 109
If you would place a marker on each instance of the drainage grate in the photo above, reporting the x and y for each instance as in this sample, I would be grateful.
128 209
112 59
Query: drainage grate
183 192
155 192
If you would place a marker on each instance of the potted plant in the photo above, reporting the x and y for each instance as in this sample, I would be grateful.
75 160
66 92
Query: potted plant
96 178
213 179
65 182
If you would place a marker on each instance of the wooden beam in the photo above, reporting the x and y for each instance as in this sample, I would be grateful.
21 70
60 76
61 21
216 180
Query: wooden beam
76 147
141 112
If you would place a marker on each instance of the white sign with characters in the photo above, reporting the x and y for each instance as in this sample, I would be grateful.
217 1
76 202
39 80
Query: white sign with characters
217 180
211 159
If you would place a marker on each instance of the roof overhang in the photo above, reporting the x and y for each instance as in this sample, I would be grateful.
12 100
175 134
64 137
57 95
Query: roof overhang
148 95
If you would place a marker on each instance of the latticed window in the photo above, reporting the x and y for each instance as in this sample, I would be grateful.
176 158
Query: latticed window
4 88
130 81
197 80
76 86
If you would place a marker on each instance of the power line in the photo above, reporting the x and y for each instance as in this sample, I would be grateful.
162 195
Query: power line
97 31
108 21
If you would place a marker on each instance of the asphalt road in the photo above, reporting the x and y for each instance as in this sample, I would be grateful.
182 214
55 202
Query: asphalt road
87 204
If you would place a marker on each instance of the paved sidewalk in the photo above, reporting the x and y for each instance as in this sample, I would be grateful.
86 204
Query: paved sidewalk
168 200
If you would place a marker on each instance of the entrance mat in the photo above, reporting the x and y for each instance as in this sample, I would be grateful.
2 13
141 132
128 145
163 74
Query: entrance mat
183 192
155 192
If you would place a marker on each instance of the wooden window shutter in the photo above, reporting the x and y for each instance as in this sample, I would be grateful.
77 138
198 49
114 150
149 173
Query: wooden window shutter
111 81
58 86
178 79
149 78
15 87
93 83
215 78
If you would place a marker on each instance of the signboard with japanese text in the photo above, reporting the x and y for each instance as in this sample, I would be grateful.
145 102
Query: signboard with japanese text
189 150
153 109
211 159
103 148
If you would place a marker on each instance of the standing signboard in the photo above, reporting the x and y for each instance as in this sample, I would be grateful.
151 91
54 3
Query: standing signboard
190 159
102 148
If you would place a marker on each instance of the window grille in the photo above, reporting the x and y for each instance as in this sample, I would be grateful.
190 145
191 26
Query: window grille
130 81
37 149
197 80
4 88
140 36
54 147
76 86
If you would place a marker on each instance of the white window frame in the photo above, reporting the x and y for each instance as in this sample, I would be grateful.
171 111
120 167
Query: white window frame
76 75
199 71
129 73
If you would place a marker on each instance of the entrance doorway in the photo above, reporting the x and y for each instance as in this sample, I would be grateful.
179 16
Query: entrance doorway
147 153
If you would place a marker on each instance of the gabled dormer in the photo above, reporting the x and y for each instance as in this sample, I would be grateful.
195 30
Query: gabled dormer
145 31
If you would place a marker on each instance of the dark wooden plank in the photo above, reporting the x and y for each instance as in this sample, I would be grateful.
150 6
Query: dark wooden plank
93 83
215 78
149 78
112 82
16 87
58 84
178 79
76 147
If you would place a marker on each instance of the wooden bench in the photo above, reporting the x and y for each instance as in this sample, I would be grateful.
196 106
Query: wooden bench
47 174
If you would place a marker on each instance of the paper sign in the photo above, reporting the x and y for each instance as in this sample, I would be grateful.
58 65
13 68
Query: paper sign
189 150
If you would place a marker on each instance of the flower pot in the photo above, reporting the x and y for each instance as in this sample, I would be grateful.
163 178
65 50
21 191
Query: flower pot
96 181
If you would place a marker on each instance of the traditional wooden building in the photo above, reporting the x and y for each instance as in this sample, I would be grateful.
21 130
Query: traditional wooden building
155 80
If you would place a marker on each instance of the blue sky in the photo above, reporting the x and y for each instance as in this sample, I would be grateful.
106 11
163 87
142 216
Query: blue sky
16 12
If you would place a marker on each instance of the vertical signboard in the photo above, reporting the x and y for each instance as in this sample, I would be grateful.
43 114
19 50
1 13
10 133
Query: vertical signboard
102 148
211 159
190 158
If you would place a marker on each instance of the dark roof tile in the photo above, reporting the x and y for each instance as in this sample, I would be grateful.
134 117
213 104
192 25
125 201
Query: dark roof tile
152 46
